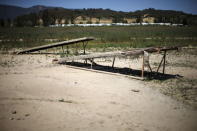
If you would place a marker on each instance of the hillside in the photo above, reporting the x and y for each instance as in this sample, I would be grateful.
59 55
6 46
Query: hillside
45 16
11 12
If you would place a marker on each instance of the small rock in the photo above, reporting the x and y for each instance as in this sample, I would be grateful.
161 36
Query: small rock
18 118
176 108
12 118
61 100
14 112
27 115
135 90
54 61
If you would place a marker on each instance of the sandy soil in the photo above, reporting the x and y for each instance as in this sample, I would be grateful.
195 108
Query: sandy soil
36 95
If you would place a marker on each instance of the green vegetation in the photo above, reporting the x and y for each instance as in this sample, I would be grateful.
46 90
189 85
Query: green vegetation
51 16
113 36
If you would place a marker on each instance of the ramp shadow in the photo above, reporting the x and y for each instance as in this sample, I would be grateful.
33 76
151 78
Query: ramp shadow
124 71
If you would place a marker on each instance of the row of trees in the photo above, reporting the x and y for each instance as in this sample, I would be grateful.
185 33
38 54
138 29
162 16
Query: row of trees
50 16
5 22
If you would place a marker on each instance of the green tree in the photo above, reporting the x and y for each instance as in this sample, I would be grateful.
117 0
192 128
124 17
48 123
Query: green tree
139 19
2 22
184 22
47 20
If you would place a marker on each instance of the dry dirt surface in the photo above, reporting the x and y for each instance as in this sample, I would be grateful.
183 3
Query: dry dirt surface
36 95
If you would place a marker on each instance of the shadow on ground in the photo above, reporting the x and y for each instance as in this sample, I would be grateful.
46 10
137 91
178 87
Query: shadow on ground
125 71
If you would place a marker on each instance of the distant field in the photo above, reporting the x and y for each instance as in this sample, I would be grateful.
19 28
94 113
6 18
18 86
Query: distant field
115 36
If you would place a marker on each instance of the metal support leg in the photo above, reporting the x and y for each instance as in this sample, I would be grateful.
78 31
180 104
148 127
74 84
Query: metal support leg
164 62
150 67
76 51
67 51
142 75
92 61
85 61
84 46
113 62
63 49
160 64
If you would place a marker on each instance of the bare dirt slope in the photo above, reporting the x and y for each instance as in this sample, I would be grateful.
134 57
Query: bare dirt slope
36 95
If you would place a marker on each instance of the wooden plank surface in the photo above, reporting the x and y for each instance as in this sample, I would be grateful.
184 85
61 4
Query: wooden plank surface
38 48
134 52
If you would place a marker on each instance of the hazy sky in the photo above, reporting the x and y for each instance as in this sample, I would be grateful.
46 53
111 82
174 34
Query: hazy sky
189 6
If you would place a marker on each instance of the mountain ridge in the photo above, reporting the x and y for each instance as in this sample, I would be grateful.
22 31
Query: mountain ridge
12 11
48 15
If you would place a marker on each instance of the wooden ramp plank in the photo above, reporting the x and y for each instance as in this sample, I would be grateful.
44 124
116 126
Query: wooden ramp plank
55 45
133 53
